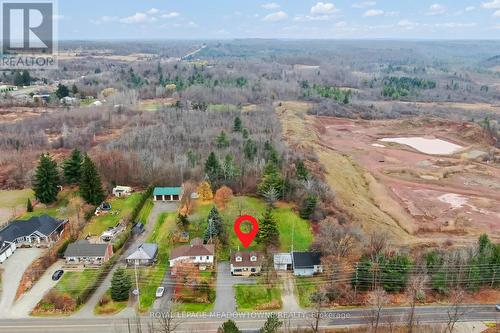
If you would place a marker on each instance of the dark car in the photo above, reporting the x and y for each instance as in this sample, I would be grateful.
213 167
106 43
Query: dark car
57 274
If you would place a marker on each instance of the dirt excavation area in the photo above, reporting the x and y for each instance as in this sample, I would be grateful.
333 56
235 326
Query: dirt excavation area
429 175
420 180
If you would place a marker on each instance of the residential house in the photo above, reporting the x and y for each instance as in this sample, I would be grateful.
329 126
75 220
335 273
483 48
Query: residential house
67 100
306 263
37 231
145 254
197 253
167 193
84 253
122 191
282 261
246 263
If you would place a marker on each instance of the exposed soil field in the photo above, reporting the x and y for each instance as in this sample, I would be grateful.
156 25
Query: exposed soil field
415 197
13 114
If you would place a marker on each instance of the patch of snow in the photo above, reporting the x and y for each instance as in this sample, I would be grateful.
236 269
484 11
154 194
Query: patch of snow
378 145
453 199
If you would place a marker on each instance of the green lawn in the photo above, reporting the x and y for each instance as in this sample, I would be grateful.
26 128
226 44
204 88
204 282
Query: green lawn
124 206
257 297
75 283
288 223
193 307
15 198
57 209
223 107
145 211
304 288
109 307
151 277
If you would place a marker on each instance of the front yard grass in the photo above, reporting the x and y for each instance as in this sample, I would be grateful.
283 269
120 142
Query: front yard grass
123 206
106 306
304 288
250 297
75 283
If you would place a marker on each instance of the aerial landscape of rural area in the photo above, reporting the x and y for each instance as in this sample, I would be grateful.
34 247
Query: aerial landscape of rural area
228 167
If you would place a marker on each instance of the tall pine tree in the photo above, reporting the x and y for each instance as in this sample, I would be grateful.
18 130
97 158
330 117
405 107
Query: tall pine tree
237 125
120 285
268 229
72 167
90 183
215 226
213 168
46 180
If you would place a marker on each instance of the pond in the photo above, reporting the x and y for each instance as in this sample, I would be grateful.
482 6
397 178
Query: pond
427 146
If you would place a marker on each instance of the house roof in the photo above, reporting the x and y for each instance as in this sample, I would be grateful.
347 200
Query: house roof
283 258
84 248
192 251
146 251
44 224
305 259
245 259
167 191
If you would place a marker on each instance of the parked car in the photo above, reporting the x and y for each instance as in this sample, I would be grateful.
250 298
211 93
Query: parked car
160 291
497 307
57 274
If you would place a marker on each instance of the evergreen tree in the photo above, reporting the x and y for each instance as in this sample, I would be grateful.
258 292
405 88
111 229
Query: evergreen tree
308 206
182 221
212 168
250 150
245 134
215 226
301 171
74 89
271 178
268 229
62 91
229 168
222 141
90 183
29 206
271 325
120 285
72 167
228 326
237 127
46 180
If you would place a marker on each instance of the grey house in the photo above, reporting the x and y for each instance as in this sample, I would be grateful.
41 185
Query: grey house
37 231
145 254
84 253
306 263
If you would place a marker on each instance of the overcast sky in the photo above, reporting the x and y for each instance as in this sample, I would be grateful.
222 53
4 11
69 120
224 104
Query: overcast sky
216 19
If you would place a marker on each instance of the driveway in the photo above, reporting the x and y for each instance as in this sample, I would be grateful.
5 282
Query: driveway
290 303
24 305
87 310
13 269
225 300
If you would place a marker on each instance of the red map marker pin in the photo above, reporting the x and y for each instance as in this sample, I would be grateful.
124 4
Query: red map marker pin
246 238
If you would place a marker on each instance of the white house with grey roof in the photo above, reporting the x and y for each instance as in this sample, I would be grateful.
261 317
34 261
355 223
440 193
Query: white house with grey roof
84 253
37 231
144 254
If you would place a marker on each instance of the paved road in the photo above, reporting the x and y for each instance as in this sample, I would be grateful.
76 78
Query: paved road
248 322
225 300
88 309
22 308
13 270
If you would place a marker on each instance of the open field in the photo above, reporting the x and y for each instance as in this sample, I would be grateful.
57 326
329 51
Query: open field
397 188
288 223
13 202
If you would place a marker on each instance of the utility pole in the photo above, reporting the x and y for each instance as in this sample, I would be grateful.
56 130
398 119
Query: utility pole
137 286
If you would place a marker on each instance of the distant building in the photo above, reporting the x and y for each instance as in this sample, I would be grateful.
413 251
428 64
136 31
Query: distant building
306 263
84 253
246 263
144 254
167 193
69 101
41 98
121 191
197 253
37 231
283 261
7 87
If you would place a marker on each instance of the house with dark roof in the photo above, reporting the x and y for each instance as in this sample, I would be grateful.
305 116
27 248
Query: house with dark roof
197 253
167 193
306 263
37 231
246 263
84 253
144 254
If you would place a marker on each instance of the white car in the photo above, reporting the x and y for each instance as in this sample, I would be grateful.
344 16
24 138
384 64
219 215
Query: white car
497 307
160 291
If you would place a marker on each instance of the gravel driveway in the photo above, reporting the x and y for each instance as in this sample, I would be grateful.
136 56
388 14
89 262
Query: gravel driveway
13 269
225 300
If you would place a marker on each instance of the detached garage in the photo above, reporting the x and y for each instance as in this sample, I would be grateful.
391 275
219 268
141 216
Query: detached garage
167 194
